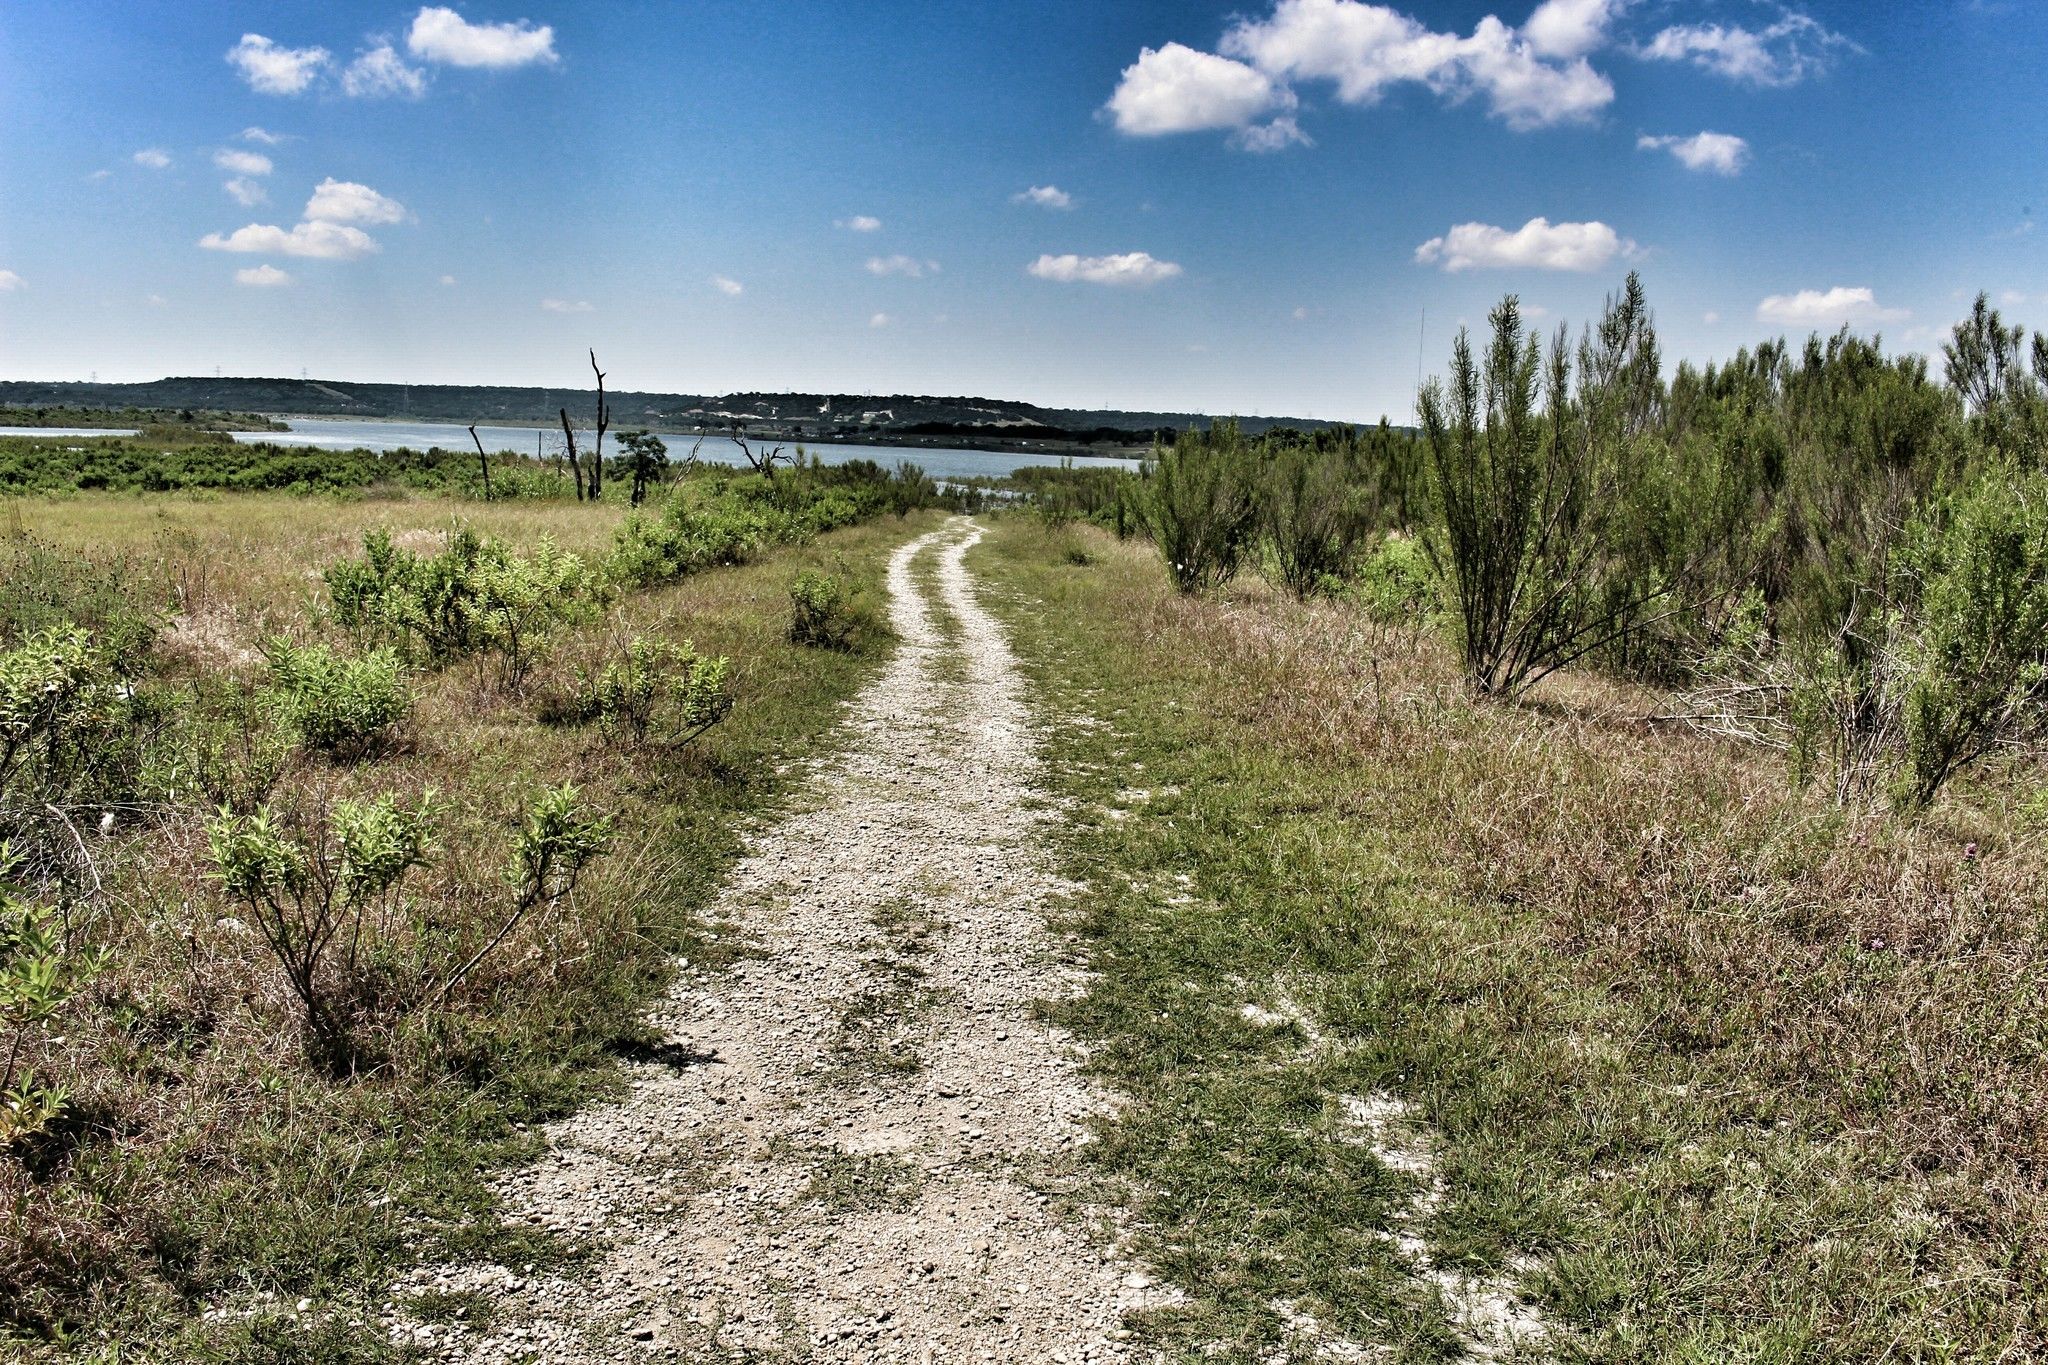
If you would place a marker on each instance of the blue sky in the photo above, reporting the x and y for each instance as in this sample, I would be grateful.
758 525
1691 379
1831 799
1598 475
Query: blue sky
1257 204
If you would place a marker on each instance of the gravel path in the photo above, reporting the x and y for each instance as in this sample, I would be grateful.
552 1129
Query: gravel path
856 1148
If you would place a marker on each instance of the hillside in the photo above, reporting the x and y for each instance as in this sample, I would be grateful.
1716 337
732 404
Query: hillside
811 415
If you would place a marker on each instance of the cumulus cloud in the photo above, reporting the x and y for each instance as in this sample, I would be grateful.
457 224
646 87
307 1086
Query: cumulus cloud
1279 134
262 277
1782 53
9 282
860 222
880 320
1131 268
439 34
246 192
319 241
1826 308
274 70
565 306
728 287
1570 28
242 163
448 281
1538 244
1175 89
344 201
262 135
1721 153
152 158
381 72
1045 197
908 266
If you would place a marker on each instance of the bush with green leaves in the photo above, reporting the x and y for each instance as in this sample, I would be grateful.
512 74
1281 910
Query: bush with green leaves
821 611
338 706
475 595
1312 506
39 974
1395 581
656 685
324 893
1203 504
686 537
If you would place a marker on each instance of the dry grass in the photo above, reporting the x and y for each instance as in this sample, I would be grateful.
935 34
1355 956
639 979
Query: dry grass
202 1160
1752 1076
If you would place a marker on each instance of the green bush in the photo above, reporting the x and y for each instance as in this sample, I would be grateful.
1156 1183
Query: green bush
1314 514
74 727
1203 505
821 611
656 684
38 975
1395 581
341 707
476 594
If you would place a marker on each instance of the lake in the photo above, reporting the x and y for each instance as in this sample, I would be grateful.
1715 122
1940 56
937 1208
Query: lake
343 434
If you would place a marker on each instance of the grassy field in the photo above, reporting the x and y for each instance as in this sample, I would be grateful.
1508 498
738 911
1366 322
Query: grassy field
1431 1009
202 1163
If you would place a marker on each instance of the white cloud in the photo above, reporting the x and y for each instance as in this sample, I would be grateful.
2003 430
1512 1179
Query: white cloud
99 175
242 163
344 201
262 277
1533 77
1832 307
380 72
153 158
246 192
1137 268
1538 244
1045 197
1176 89
156 300
1711 317
880 320
860 222
2011 298
273 70
9 282
565 306
1783 53
1570 28
1721 153
448 281
262 135
899 264
439 34
1279 134
320 241
728 287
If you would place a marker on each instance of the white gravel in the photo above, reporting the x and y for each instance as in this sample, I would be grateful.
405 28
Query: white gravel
869 1165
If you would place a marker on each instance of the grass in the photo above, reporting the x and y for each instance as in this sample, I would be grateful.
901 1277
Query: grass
1711 1070
204 1164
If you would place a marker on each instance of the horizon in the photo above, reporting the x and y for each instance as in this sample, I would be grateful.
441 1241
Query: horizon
1287 208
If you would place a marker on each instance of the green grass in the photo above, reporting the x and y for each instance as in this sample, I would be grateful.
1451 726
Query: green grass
1703 1112
209 1165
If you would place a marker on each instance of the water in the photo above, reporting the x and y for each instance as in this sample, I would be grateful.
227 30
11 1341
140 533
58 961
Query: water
344 434
69 431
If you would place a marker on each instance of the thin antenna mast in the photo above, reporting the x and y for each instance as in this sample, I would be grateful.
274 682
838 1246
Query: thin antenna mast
1421 331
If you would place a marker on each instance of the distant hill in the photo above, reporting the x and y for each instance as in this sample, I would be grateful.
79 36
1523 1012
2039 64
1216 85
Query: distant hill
816 416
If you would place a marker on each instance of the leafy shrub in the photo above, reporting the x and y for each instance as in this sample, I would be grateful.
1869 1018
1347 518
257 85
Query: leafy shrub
476 594
685 538
1314 517
321 897
1204 506
73 726
344 708
1395 581
38 975
657 683
821 611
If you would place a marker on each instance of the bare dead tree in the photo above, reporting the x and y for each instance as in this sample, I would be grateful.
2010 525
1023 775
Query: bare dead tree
604 419
483 460
763 462
575 464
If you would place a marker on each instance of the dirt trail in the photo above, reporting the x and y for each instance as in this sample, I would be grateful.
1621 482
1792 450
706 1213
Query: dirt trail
847 1152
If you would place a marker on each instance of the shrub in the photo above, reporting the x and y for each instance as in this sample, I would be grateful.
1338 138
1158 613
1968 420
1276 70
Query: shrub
38 975
821 611
1314 517
1395 581
657 683
1204 506
74 729
321 897
474 595
344 708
